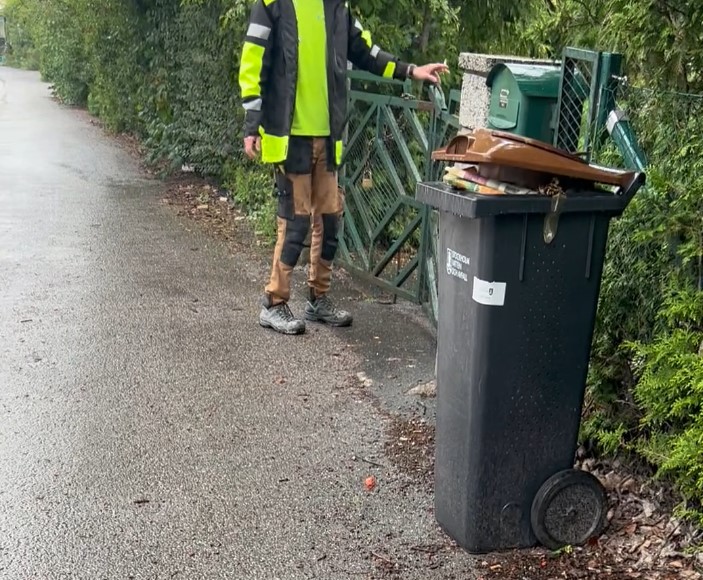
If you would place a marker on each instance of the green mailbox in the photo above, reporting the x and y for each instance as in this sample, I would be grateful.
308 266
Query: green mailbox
524 99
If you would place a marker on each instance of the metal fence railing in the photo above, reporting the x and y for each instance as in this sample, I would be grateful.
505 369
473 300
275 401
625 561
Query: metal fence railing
587 93
388 236
668 126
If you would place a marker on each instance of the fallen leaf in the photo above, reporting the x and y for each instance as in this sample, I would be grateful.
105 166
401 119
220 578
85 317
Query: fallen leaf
425 390
631 529
648 508
370 483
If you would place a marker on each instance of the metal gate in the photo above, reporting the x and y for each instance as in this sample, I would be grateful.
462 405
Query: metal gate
587 95
388 237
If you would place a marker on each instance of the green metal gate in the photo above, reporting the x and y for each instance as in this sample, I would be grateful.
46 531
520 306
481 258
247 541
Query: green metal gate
388 237
587 95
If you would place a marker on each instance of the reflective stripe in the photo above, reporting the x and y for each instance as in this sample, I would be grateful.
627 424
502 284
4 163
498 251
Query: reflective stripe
375 50
250 70
389 71
338 151
365 34
258 31
274 149
254 105
268 2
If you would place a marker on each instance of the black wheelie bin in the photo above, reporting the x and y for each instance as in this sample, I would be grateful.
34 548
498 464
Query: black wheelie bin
519 273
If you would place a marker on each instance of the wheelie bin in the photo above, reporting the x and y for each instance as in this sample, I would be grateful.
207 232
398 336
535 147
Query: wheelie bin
518 285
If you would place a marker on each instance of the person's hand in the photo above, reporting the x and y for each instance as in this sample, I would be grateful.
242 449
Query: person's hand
252 146
430 73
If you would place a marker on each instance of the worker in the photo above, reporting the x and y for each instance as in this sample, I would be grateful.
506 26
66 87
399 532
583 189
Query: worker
294 92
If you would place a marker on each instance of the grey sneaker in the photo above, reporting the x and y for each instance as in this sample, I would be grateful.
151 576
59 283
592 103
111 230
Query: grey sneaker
281 319
322 309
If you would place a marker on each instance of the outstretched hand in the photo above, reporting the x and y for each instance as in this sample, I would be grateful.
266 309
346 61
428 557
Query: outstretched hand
430 73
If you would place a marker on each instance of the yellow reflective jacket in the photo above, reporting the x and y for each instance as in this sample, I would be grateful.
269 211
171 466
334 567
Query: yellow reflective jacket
269 69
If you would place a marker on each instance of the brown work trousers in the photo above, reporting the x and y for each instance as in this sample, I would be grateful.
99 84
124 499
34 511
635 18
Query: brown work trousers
304 201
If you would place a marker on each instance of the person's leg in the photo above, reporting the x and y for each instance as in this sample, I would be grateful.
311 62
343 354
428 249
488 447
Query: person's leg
327 206
294 206
315 279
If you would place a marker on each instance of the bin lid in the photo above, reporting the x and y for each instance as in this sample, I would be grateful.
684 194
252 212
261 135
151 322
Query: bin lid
445 198
506 149
534 80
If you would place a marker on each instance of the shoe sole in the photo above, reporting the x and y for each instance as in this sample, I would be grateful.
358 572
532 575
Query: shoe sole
313 318
286 332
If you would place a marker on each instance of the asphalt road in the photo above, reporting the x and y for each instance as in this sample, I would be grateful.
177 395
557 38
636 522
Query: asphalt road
149 429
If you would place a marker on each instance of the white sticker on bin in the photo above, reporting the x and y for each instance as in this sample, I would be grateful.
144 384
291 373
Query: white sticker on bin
489 293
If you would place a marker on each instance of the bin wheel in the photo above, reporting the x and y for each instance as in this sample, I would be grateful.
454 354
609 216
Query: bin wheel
569 509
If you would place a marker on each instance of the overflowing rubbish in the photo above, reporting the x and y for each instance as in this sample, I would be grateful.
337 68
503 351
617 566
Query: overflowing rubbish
469 178
496 163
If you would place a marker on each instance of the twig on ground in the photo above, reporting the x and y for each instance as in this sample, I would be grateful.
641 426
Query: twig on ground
383 558
666 541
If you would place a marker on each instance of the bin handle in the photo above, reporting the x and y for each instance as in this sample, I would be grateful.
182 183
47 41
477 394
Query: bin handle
632 186
456 149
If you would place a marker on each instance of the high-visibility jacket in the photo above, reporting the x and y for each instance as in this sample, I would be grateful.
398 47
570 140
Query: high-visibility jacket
269 70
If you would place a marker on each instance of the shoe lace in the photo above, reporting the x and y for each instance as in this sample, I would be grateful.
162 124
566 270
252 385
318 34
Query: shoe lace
285 313
327 304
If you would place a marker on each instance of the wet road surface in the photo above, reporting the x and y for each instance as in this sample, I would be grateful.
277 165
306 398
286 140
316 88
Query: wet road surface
148 427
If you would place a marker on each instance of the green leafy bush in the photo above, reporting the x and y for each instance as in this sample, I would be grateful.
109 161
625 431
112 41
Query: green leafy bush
670 393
